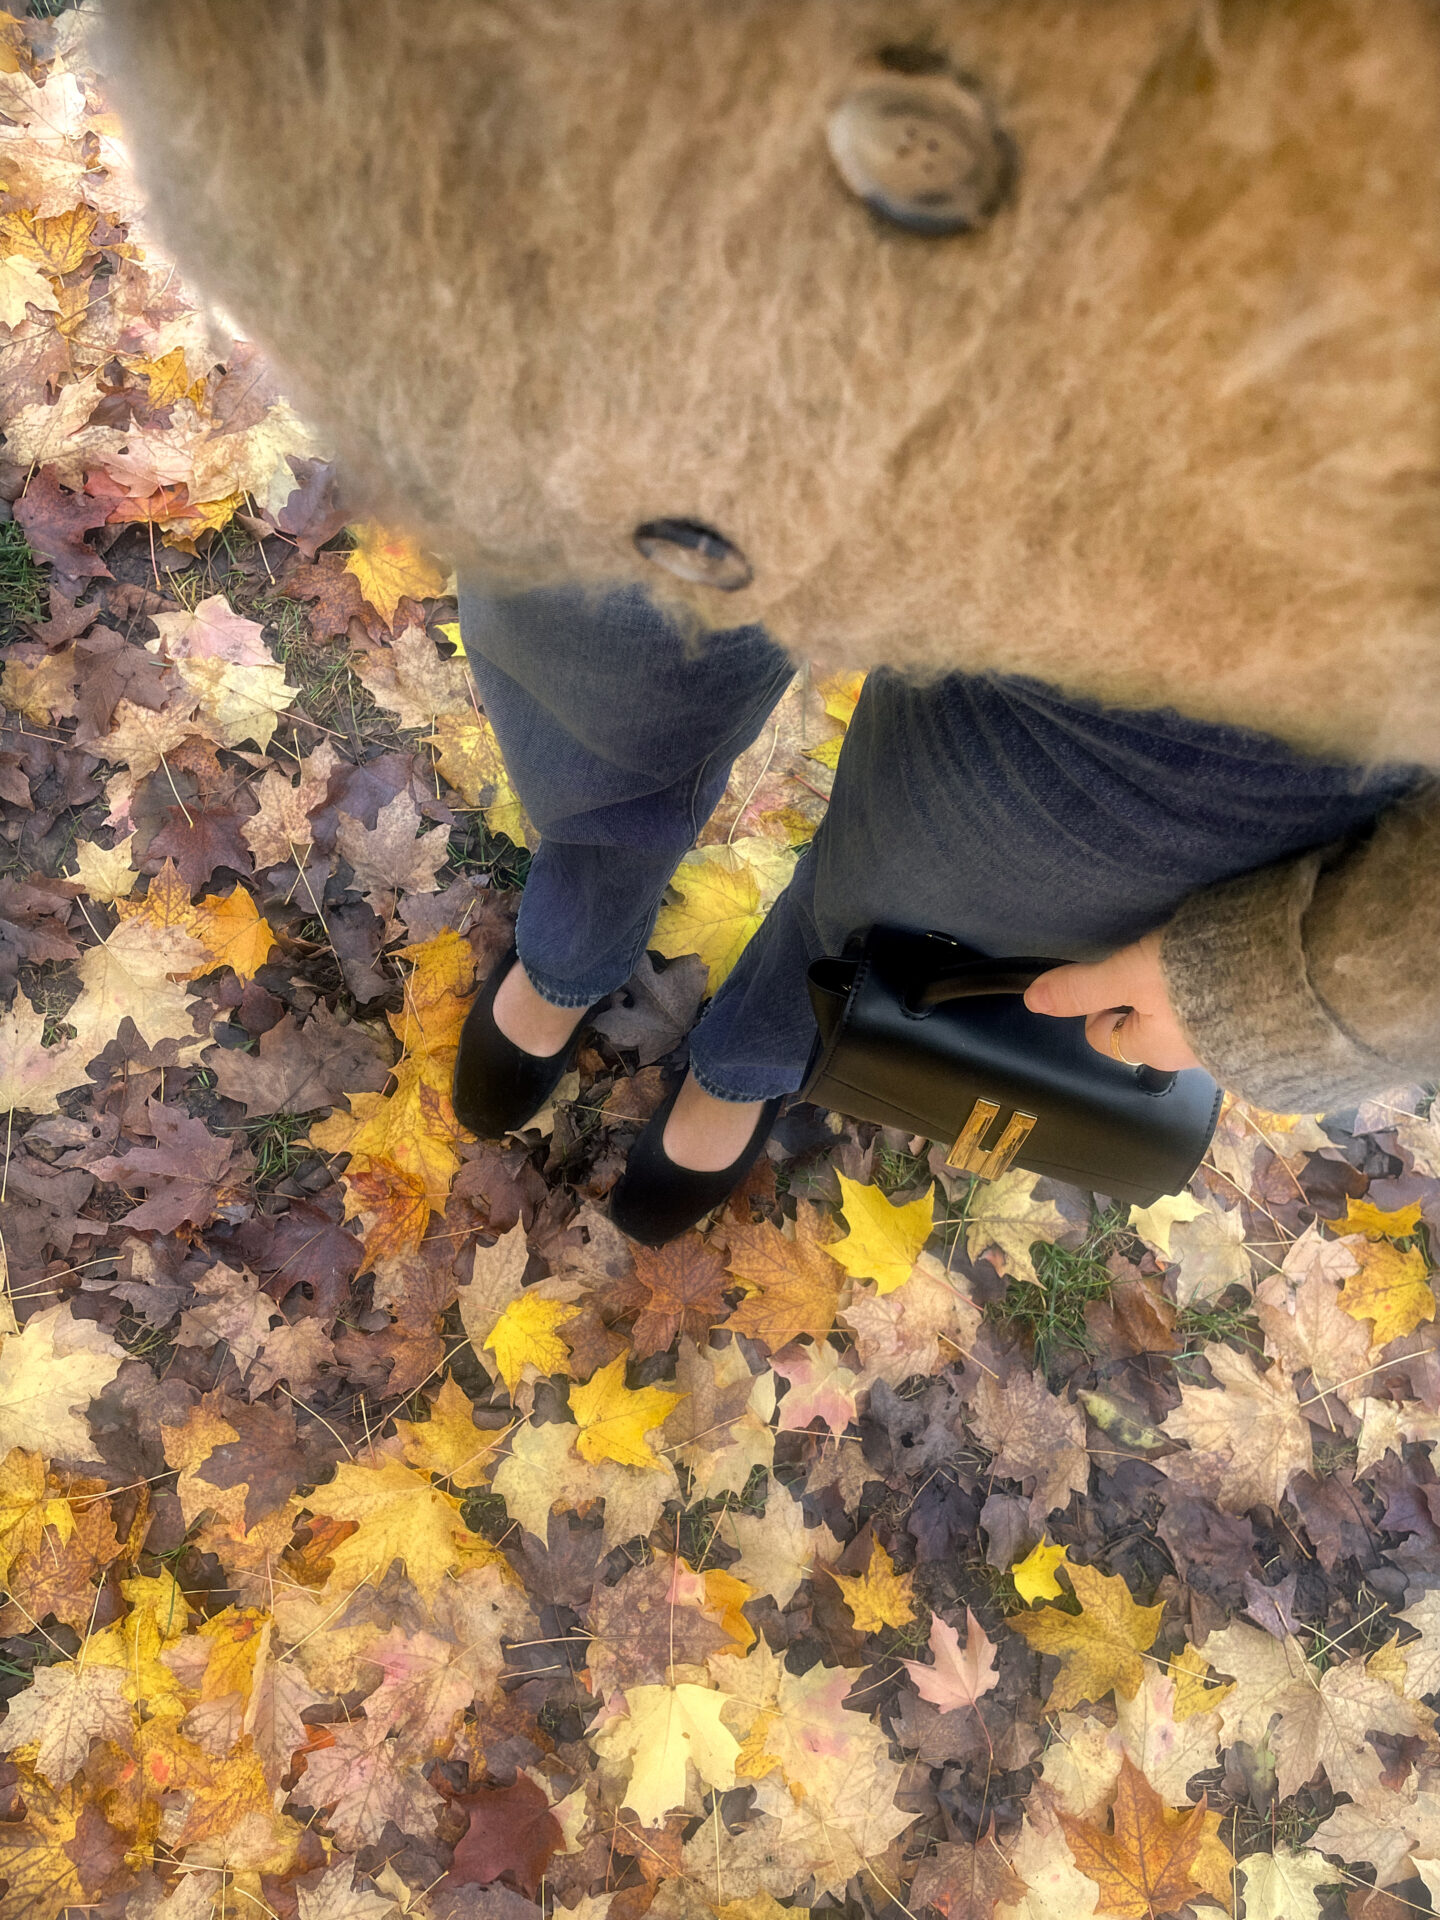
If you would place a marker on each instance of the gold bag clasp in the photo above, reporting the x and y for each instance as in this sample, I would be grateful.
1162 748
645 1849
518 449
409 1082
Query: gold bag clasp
970 1154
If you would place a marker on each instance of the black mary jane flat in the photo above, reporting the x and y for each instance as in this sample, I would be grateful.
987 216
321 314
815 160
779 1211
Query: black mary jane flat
654 1200
498 1086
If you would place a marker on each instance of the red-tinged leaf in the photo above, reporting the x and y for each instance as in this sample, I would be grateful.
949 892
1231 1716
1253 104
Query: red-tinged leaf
511 1837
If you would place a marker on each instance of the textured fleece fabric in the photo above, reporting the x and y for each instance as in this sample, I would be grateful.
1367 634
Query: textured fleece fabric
1165 433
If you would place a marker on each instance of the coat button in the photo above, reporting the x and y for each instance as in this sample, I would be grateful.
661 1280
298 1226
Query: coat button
693 552
923 151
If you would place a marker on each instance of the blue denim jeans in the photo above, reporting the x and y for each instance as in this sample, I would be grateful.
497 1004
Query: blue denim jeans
992 809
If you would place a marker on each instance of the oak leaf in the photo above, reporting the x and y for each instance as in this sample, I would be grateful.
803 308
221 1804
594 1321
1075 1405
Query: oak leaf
885 1240
614 1420
1099 1647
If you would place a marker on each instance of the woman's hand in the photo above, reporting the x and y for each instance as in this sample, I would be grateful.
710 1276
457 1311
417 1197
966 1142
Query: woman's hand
1149 1034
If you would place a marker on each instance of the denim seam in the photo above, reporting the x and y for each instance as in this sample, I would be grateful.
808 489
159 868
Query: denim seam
717 1092
561 997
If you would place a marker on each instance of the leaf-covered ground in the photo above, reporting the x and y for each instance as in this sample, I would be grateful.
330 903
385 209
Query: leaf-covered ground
380 1531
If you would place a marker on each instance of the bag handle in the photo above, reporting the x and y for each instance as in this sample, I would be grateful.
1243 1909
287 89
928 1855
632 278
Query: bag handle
979 977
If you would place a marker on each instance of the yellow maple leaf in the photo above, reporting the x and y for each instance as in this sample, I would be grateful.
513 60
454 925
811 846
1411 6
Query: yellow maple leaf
664 1730
27 1507
1363 1216
885 1240
525 1335
725 1597
402 1144
105 872
1034 1576
400 1516
168 378
468 756
614 1421
229 927
1390 1290
1153 1223
58 242
237 703
1188 1670
1099 1647
725 892
879 1597
449 1443
390 567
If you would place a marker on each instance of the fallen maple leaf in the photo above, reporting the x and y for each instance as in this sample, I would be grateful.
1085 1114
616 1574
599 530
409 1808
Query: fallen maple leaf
1248 1436
885 1240
389 568
966 1883
1391 1290
526 1335
794 1283
449 1444
1034 1576
1143 1868
663 1731
614 1421
49 1373
1100 1646
511 1836
401 1516
879 1597
684 1281
413 680
724 895
956 1678
1007 1219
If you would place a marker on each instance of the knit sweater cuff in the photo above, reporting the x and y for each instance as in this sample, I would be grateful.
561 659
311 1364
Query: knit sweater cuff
1234 960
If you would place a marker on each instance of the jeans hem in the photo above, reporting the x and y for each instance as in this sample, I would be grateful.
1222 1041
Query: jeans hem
567 997
709 1085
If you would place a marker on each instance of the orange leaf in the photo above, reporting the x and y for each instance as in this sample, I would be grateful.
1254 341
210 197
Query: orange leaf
1144 1868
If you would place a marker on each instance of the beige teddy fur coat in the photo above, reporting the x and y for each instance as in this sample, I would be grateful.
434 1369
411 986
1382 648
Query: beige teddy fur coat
1164 429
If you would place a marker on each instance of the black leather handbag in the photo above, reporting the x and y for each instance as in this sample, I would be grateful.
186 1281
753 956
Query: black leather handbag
919 1032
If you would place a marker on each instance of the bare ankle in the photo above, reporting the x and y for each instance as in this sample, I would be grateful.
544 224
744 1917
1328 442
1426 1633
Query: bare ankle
529 1021
706 1135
